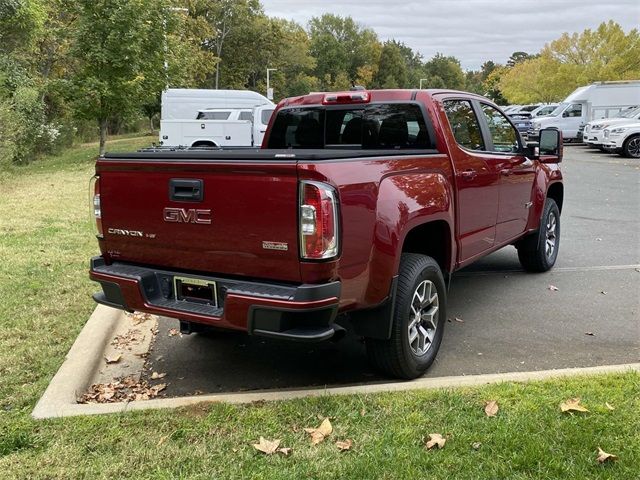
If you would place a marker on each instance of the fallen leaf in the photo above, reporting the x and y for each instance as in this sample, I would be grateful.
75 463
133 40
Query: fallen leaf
285 451
157 376
113 358
435 439
363 412
598 239
173 332
344 445
603 292
606 457
609 406
476 445
572 405
268 447
320 433
553 288
158 388
459 320
491 408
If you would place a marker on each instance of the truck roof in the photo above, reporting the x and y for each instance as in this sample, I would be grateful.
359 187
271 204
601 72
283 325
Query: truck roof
394 95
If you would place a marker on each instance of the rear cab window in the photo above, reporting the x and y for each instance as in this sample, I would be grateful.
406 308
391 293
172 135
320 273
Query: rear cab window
393 126
464 124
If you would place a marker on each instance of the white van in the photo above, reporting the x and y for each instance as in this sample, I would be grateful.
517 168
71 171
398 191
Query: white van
595 101
185 103
213 118
218 127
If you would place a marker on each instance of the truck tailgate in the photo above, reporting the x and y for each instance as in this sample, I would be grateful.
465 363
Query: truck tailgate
245 225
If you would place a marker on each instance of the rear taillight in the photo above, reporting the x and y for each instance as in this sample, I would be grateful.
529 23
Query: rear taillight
318 221
94 192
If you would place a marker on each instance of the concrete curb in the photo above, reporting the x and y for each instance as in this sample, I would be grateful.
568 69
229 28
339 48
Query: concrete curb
59 400
80 365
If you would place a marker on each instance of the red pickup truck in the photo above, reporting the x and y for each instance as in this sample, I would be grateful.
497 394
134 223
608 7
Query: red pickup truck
355 212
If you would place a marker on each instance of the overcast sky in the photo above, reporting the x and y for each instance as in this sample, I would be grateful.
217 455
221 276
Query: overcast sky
471 30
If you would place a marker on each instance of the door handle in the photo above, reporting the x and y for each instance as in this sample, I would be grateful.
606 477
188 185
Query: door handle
505 172
469 174
185 190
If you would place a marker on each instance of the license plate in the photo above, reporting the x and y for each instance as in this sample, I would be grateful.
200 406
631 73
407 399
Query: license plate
195 290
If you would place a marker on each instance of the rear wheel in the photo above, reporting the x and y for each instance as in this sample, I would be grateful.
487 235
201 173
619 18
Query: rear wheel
538 252
631 147
418 320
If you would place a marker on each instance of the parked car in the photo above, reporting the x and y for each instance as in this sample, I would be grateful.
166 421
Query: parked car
623 139
592 102
218 127
360 205
593 131
543 110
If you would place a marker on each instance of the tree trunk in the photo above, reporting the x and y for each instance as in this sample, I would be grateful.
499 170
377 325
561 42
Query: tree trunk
151 124
103 135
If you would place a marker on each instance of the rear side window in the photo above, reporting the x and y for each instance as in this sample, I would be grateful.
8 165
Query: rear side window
376 126
504 137
464 124
213 115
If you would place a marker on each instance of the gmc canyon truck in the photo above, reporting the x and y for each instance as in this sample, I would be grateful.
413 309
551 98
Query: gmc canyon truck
356 211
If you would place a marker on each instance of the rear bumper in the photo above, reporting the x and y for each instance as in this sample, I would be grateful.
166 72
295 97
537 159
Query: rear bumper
302 312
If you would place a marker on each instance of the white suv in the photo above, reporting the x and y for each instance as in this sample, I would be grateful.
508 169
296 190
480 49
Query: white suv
593 131
624 140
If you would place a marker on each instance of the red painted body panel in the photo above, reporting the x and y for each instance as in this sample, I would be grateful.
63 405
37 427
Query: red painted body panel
250 203
381 199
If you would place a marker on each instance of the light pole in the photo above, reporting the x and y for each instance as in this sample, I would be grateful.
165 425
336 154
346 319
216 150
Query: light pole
269 89
422 80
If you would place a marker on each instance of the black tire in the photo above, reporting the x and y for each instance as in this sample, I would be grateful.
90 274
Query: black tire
631 147
534 251
396 356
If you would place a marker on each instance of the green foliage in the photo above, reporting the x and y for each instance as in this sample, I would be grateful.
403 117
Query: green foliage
341 49
392 68
606 53
444 72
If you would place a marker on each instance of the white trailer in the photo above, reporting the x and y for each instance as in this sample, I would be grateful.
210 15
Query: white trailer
591 102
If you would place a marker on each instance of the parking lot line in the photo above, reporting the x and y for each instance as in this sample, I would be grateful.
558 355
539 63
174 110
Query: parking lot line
555 270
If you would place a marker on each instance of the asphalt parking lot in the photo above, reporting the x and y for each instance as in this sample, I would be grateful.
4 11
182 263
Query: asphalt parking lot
502 319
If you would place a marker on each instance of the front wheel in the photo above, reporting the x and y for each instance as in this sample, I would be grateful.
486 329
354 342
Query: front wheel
631 147
538 252
418 320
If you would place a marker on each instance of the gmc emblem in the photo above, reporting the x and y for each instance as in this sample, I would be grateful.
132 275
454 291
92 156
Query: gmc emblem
183 215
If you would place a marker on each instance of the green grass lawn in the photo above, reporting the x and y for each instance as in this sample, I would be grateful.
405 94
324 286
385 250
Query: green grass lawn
45 243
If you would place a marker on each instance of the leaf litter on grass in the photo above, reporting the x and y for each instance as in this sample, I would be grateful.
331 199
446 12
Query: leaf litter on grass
319 434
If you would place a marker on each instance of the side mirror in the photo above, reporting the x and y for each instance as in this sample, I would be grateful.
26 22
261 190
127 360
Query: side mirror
550 148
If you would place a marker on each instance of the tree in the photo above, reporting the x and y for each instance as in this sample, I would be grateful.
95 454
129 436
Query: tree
516 58
392 68
341 48
444 72
606 53
120 52
232 40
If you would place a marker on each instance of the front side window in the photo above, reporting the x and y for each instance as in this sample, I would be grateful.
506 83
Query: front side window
574 110
246 116
265 116
464 124
504 137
